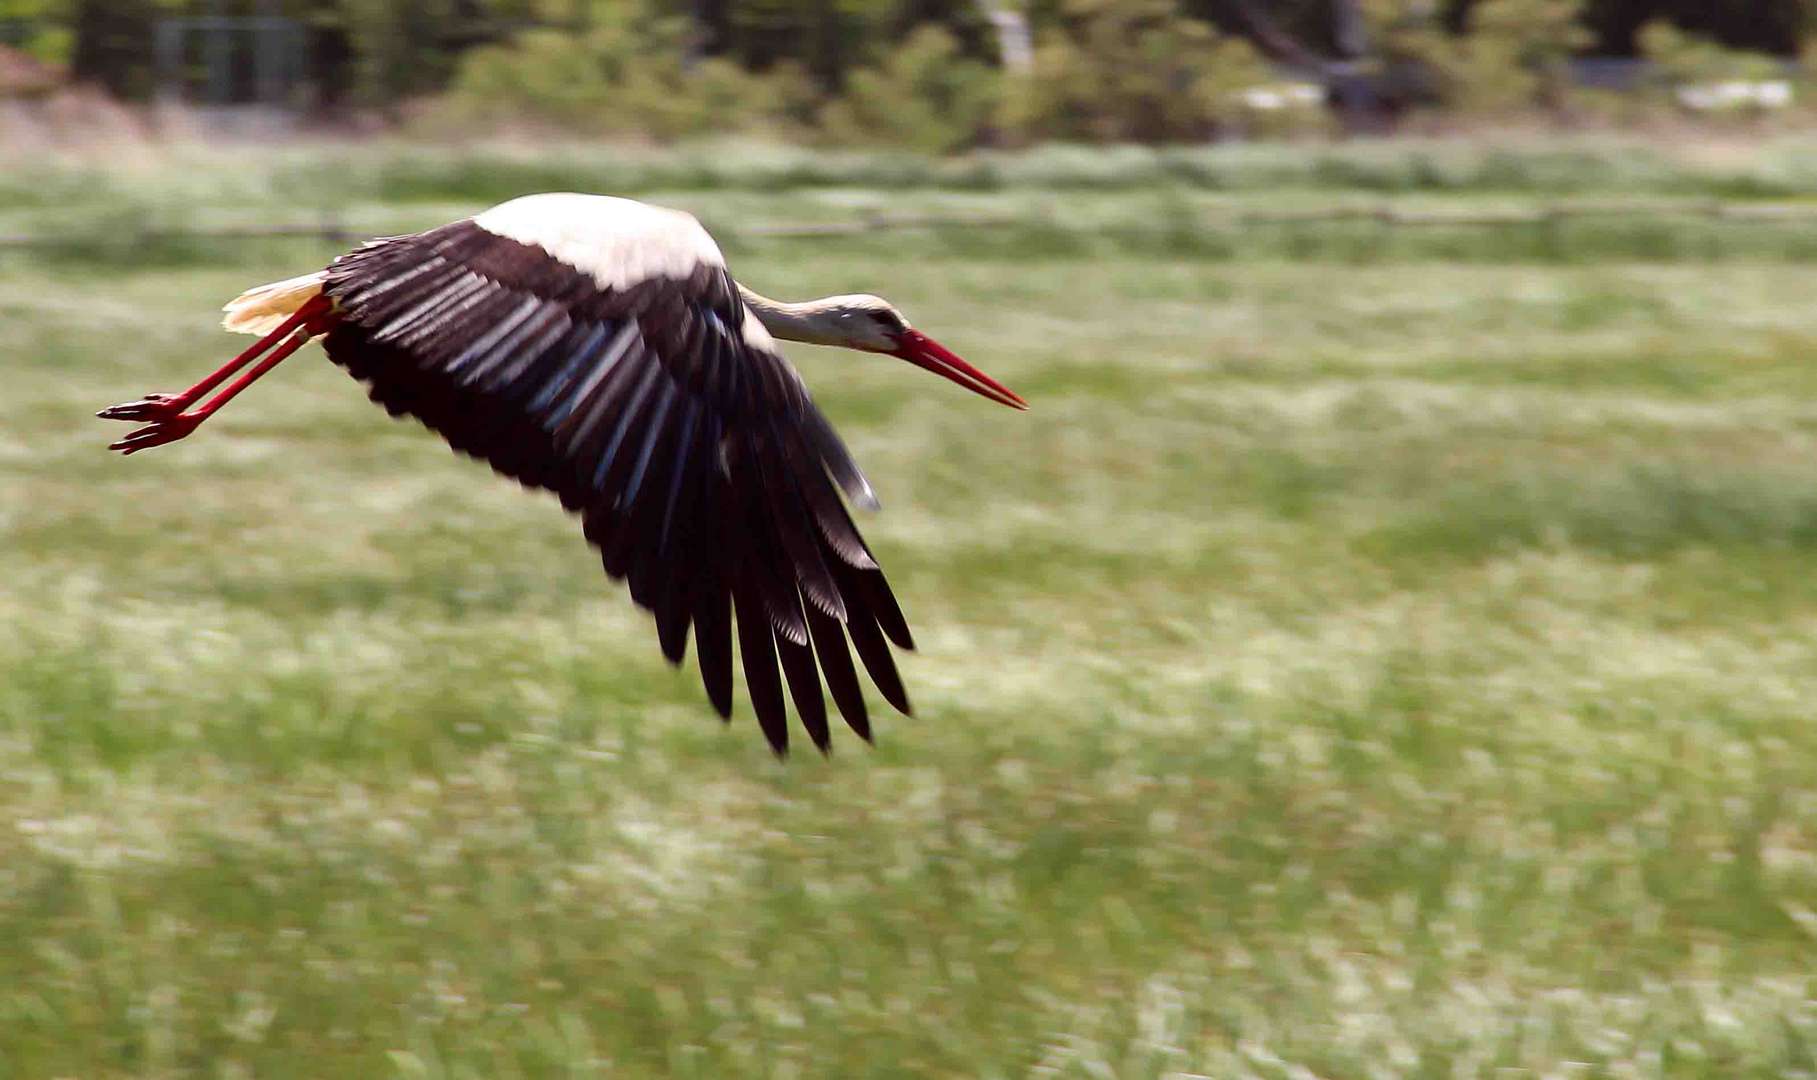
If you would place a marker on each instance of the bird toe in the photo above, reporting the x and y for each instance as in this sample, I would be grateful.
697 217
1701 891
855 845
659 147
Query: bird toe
149 407
157 434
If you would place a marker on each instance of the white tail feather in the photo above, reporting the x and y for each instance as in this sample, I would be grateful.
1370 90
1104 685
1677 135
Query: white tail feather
264 309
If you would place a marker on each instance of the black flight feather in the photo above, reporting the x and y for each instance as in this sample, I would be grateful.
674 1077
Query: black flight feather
699 466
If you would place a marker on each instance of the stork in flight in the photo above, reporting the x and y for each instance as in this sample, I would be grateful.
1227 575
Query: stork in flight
598 348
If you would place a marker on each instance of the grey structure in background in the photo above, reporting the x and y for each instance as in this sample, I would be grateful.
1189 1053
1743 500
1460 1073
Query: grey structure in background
246 74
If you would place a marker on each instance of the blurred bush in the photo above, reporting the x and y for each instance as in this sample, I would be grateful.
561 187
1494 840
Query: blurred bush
628 74
1515 55
1105 71
922 96
1133 71
1507 56
1702 77
946 75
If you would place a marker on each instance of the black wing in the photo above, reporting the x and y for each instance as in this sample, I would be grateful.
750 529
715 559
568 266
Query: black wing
700 468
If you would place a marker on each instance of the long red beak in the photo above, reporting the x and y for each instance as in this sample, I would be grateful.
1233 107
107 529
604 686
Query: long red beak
924 352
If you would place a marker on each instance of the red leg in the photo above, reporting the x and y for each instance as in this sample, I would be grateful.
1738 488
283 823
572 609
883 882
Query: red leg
166 406
169 421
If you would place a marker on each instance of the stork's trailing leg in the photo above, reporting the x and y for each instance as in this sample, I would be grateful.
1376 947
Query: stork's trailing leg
170 415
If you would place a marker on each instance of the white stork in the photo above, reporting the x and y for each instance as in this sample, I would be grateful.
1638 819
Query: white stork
598 348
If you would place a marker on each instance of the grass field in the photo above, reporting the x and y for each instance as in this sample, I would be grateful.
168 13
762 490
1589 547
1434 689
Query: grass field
1343 671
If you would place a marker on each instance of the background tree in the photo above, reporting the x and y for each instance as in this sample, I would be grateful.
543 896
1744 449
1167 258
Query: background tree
108 40
633 70
926 95
39 27
1509 55
1775 26
1138 70
1103 68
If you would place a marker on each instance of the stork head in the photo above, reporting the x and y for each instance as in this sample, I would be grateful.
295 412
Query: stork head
873 324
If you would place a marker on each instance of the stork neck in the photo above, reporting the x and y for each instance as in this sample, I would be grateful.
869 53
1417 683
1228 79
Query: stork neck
810 321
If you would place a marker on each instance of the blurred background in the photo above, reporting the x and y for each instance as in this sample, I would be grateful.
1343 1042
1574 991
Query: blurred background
1386 648
925 75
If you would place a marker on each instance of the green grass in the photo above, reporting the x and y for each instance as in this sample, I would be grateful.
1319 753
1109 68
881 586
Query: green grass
163 228
1342 671
146 207
1749 165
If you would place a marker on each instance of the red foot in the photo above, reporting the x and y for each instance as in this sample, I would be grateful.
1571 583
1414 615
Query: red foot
153 407
169 415
158 433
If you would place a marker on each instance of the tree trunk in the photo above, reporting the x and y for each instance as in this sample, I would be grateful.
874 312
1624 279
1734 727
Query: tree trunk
1354 93
1015 42
1349 85
1272 41
110 48
1349 32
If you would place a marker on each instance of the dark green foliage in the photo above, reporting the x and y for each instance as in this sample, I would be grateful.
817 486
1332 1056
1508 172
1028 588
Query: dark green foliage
1131 71
925 97
109 44
1777 26
1105 70
628 73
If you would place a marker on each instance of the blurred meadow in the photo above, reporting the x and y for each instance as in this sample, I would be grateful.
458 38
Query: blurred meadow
1380 652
